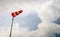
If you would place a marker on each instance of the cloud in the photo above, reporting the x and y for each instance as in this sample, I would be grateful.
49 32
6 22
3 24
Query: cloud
30 21
45 30
48 11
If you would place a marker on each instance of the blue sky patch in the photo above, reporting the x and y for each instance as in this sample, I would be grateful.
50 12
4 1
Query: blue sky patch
57 21
57 34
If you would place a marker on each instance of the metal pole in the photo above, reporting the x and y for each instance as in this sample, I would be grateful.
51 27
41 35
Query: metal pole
11 27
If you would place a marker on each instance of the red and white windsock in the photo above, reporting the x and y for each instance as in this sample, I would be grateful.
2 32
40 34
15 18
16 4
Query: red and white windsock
14 14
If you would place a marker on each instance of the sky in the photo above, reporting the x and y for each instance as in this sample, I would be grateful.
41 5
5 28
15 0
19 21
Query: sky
40 18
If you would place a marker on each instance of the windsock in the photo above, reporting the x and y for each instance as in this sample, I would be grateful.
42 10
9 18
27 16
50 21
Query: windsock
14 14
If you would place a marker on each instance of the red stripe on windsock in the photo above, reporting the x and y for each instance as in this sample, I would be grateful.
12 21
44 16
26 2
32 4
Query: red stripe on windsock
16 13
20 11
13 14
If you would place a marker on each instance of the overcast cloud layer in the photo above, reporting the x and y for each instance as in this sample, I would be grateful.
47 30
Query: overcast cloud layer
47 10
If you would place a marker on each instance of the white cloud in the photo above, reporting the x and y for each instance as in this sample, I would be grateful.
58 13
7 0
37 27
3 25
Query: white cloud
45 29
48 12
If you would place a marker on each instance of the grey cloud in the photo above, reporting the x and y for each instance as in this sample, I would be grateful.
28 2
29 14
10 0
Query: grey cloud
30 21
